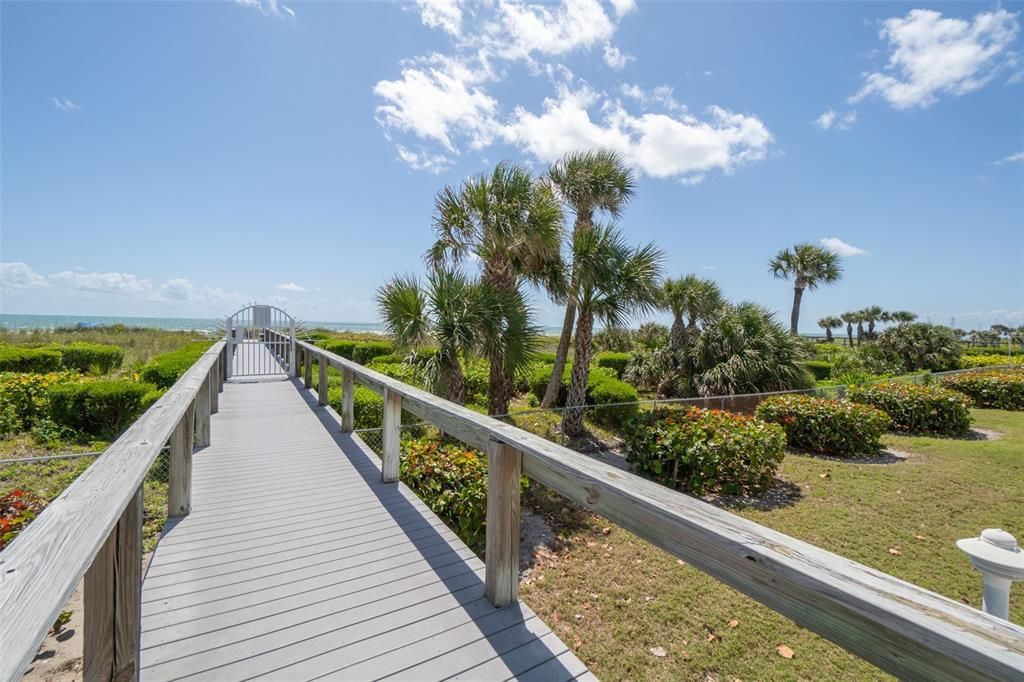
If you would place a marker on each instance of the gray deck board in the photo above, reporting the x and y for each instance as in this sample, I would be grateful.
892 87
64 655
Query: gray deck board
298 563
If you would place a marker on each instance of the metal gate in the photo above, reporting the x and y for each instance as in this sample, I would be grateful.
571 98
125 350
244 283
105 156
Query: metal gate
261 342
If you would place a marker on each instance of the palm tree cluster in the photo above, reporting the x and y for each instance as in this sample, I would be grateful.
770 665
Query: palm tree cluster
870 316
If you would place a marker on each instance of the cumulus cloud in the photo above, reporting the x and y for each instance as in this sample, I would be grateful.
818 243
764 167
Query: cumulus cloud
15 275
118 283
270 8
615 58
838 246
443 14
1012 158
661 96
424 160
292 286
63 104
830 119
932 55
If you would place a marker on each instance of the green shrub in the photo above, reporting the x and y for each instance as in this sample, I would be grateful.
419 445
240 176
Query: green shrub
920 345
539 376
616 339
404 372
616 361
819 368
545 358
343 348
915 408
367 406
994 350
98 408
994 389
605 390
366 351
476 373
24 398
87 357
21 359
702 451
989 360
836 427
163 370
452 480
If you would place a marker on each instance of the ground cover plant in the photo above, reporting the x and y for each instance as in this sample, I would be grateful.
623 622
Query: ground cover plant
997 389
632 611
916 408
837 427
139 345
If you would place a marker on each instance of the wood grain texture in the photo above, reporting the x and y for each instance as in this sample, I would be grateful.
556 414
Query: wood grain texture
179 474
902 628
504 469
216 386
307 370
391 436
322 382
348 399
99 603
202 414
42 567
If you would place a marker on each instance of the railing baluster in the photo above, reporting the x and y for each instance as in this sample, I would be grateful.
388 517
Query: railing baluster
348 400
202 416
321 363
113 602
307 369
213 383
501 576
179 481
391 435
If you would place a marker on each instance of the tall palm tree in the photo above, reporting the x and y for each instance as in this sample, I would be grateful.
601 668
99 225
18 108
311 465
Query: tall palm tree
861 316
873 314
588 181
849 318
901 316
614 282
442 312
809 266
513 225
691 299
828 324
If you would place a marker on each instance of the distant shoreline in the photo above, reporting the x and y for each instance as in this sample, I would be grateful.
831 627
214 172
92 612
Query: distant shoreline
13 322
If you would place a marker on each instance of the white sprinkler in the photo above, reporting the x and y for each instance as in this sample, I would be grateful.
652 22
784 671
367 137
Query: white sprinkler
1001 562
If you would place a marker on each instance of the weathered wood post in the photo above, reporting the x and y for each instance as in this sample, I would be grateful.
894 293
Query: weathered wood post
391 436
179 476
307 368
213 381
322 380
113 602
501 576
348 400
229 347
203 410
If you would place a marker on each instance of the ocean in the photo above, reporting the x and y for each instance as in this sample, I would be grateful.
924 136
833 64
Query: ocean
16 322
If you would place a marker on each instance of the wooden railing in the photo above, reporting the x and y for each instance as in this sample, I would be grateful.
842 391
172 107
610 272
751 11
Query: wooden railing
902 628
94 530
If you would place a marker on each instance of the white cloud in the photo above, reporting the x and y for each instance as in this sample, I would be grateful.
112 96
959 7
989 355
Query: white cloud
838 246
443 14
439 98
708 267
520 29
270 8
15 275
63 104
117 283
932 55
424 160
659 145
292 286
623 7
1012 158
661 96
615 58
830 119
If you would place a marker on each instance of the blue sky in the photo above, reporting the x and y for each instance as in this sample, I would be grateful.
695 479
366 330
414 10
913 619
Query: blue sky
184 158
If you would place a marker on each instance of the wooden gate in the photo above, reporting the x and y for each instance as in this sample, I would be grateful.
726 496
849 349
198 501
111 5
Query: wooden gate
252 350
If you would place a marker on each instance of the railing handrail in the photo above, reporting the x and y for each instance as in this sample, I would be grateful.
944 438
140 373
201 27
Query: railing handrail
898 626
43 566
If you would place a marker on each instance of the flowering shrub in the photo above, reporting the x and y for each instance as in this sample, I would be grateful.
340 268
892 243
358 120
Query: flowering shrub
17 509
706 450
918 409
24 397
997 389
452 480
990 360
823 425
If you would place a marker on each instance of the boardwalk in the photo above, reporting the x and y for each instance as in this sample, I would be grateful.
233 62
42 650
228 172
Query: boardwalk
297 563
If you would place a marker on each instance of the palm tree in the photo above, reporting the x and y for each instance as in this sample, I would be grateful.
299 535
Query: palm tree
861 317
613 283
849 318
900 316
691 299
808 266
828 324
873 314
513 225
443 313
589 181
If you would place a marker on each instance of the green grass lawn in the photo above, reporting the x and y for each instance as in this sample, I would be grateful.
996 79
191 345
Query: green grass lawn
612 597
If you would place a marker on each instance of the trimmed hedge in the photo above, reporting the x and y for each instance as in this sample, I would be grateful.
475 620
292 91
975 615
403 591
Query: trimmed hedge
98 408
820 369
163 370
835 427
980 360
603 388
452 480
994 389
21 359
915 408
703 451
358 351
616 361
85 357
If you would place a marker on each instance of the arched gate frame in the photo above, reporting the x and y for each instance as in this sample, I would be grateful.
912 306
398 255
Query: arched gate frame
252 350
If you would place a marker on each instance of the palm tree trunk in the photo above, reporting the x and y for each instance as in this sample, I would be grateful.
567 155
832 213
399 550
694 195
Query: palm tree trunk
572 418
828 335
794 317
555 382
455 383
860 332
498 387
849 334
679 335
